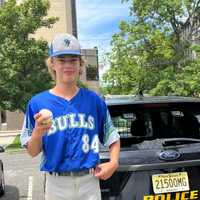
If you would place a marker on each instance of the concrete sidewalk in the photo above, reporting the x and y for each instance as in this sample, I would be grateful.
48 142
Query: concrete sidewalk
7 137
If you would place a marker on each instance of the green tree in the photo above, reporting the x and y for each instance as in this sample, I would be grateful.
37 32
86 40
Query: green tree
22 69
150 51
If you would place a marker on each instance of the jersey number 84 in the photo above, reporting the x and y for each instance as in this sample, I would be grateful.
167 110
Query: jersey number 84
94 144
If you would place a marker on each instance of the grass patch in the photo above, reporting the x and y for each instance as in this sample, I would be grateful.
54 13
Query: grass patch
15 144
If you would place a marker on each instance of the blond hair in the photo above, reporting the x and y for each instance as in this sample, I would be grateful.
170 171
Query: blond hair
49 64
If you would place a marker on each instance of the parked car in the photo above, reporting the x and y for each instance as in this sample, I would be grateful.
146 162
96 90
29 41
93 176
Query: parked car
160 149
2 180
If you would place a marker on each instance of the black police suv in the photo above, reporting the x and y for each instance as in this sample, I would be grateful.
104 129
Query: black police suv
160 149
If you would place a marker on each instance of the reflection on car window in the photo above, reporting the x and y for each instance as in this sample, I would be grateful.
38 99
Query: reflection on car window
123 126
158 124
177 113
133 124
198 117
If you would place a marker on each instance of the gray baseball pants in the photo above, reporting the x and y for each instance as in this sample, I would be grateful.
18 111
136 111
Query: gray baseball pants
72 187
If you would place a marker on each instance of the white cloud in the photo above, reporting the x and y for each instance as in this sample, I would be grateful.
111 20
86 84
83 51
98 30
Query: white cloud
97 21
94 16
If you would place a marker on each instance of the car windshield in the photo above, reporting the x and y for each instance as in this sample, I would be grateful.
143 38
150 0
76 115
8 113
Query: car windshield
155 124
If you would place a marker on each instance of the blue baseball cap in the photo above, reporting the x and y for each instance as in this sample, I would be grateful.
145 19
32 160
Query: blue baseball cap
64 44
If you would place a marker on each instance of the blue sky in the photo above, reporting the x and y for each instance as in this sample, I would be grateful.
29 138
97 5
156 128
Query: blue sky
98 20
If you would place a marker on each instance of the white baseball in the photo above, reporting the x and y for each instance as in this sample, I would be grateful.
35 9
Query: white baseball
47 114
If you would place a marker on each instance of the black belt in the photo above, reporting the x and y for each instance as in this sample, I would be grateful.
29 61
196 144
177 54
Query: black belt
74 173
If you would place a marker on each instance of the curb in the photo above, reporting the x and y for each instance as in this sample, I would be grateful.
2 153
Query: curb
7 139
9 133
7 136
20 150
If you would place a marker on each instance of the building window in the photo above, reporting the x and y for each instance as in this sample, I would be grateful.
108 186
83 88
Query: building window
74 20
1 2
3 116
92 73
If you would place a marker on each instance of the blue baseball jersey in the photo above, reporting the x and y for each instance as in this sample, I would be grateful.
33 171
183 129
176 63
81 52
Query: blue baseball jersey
72 143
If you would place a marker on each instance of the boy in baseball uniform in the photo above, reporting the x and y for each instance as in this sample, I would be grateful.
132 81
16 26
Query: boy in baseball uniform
66 123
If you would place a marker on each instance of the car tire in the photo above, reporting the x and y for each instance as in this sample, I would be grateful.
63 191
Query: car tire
2 184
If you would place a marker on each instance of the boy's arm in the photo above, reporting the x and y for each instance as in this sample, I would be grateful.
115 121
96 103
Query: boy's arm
34 145
114 150
106 170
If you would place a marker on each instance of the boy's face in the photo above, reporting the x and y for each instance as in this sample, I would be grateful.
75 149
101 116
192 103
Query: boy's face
67 68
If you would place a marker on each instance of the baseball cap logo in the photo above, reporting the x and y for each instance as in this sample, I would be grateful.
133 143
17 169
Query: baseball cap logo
67 42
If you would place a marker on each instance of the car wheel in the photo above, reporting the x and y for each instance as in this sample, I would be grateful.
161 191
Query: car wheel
2 184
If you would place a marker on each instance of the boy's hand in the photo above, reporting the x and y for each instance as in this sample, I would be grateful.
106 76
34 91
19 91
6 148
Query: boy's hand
105 170
41 125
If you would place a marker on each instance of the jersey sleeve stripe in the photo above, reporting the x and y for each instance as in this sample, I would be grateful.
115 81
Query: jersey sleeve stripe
110 133
26 132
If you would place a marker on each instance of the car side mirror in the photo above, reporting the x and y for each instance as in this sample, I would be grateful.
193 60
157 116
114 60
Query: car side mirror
1 149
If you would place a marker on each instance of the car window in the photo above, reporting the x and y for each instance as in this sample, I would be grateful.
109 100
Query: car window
135 124
176 123
158 124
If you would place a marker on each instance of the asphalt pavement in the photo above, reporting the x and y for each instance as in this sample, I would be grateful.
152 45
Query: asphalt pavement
23 179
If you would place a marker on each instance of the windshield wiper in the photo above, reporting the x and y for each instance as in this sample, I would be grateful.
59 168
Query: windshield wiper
179 141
